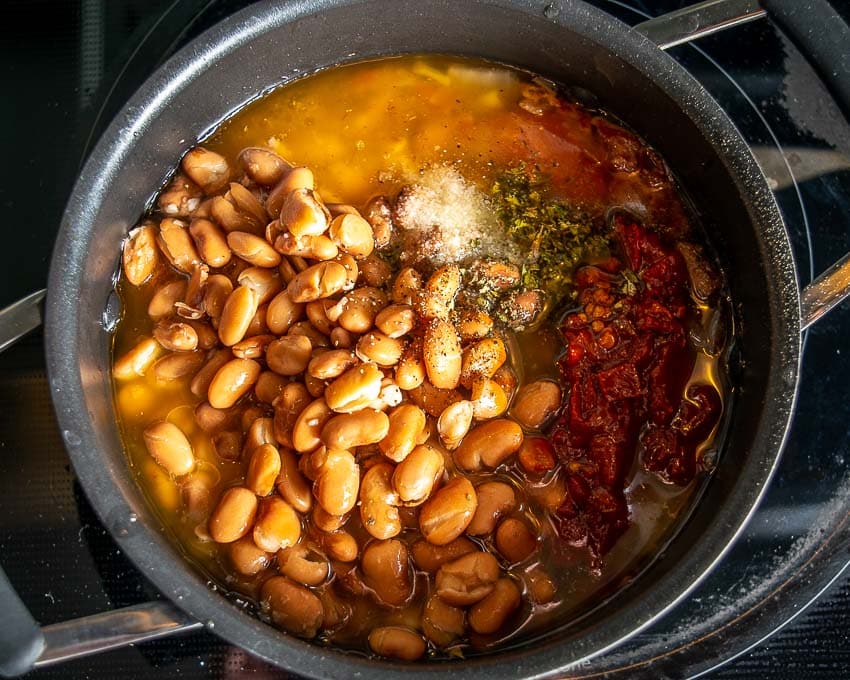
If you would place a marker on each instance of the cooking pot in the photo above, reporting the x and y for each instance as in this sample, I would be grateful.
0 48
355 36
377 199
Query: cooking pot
273 42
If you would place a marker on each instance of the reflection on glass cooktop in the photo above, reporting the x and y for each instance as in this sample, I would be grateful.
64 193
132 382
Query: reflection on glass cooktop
68 67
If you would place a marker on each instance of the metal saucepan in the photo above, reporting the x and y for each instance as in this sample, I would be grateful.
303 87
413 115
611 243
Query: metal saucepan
272 42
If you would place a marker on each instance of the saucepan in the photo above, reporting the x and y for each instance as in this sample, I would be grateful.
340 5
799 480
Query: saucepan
272 42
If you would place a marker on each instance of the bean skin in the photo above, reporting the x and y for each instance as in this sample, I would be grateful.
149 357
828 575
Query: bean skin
140 255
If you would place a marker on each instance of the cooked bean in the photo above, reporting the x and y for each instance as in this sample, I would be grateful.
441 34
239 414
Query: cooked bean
136 361
231 381
264 282
488 444
429 557
536 402
406 421
228 444
303 565
514 540
495 499
331 364
359 308
210 241
247 558
341 338
319 281
253 249
380 217
254 420
218 289
433 400
180 198
233 516
379 348
468 579
237 314
439 293
324 521
416 475
338 482
447 513
474 324
374 271
293 398
410 370
212 420
491 613
536 456
289 355
253 347
397 643
291 485
258 322
278 525
200 384
454 423
306 431
488 399
247 202
176 336
303 213
407 287
296 178
282 312
442 354
308 330
378 501
539 586
442 623
350 430
354 389
481 360
162 302
263 469
178 365
176 244
336 612
352 234
395 320
206 168
389 396
169 447
263 166
339 545
291 607
230 218
386 570
318 315
139 255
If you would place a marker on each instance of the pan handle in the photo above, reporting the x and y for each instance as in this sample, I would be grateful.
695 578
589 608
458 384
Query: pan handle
825 292
23 644
701 19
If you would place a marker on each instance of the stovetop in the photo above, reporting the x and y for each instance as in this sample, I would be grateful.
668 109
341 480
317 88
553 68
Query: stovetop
779 604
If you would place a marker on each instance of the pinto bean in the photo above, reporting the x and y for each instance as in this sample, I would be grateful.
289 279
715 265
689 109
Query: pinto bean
379 215
495 499
304 214
181 198
395 320
442 623
236 316
491 613
289 355
200 384
263 166
319 281
406 421
339 545
231 381
386 570
353 235
488 444
354 389
291 607
338 482
442 354
233 516
163 300
176 336
415 476
228 444
293 398
379 348
253 347
263 469
178 365
278 525
265 283
231 218
433 400
136 361
481 360
397 643
206 168
341 338
291 485
212 420
539 586
176 244
303 565
307 429
331 364
169 447
359 309
374 271
468 579
296 178
318 315
454 423
447 513
324 521
474 324
514 540
407 287
210 241
247 558
536 402
410 370
488 399
218 289
247 202
352 270
350 430
139 255
440 291
253 249
429 557
378 501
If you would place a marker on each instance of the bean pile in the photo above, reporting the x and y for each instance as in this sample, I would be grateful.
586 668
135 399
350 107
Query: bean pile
363 406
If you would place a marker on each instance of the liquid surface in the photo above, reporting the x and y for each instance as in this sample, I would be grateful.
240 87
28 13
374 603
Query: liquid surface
371 129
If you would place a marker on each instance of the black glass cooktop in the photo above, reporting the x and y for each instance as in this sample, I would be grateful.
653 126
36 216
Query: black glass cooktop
776 607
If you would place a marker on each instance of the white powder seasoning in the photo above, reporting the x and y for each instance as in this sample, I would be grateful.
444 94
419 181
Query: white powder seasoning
444 218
